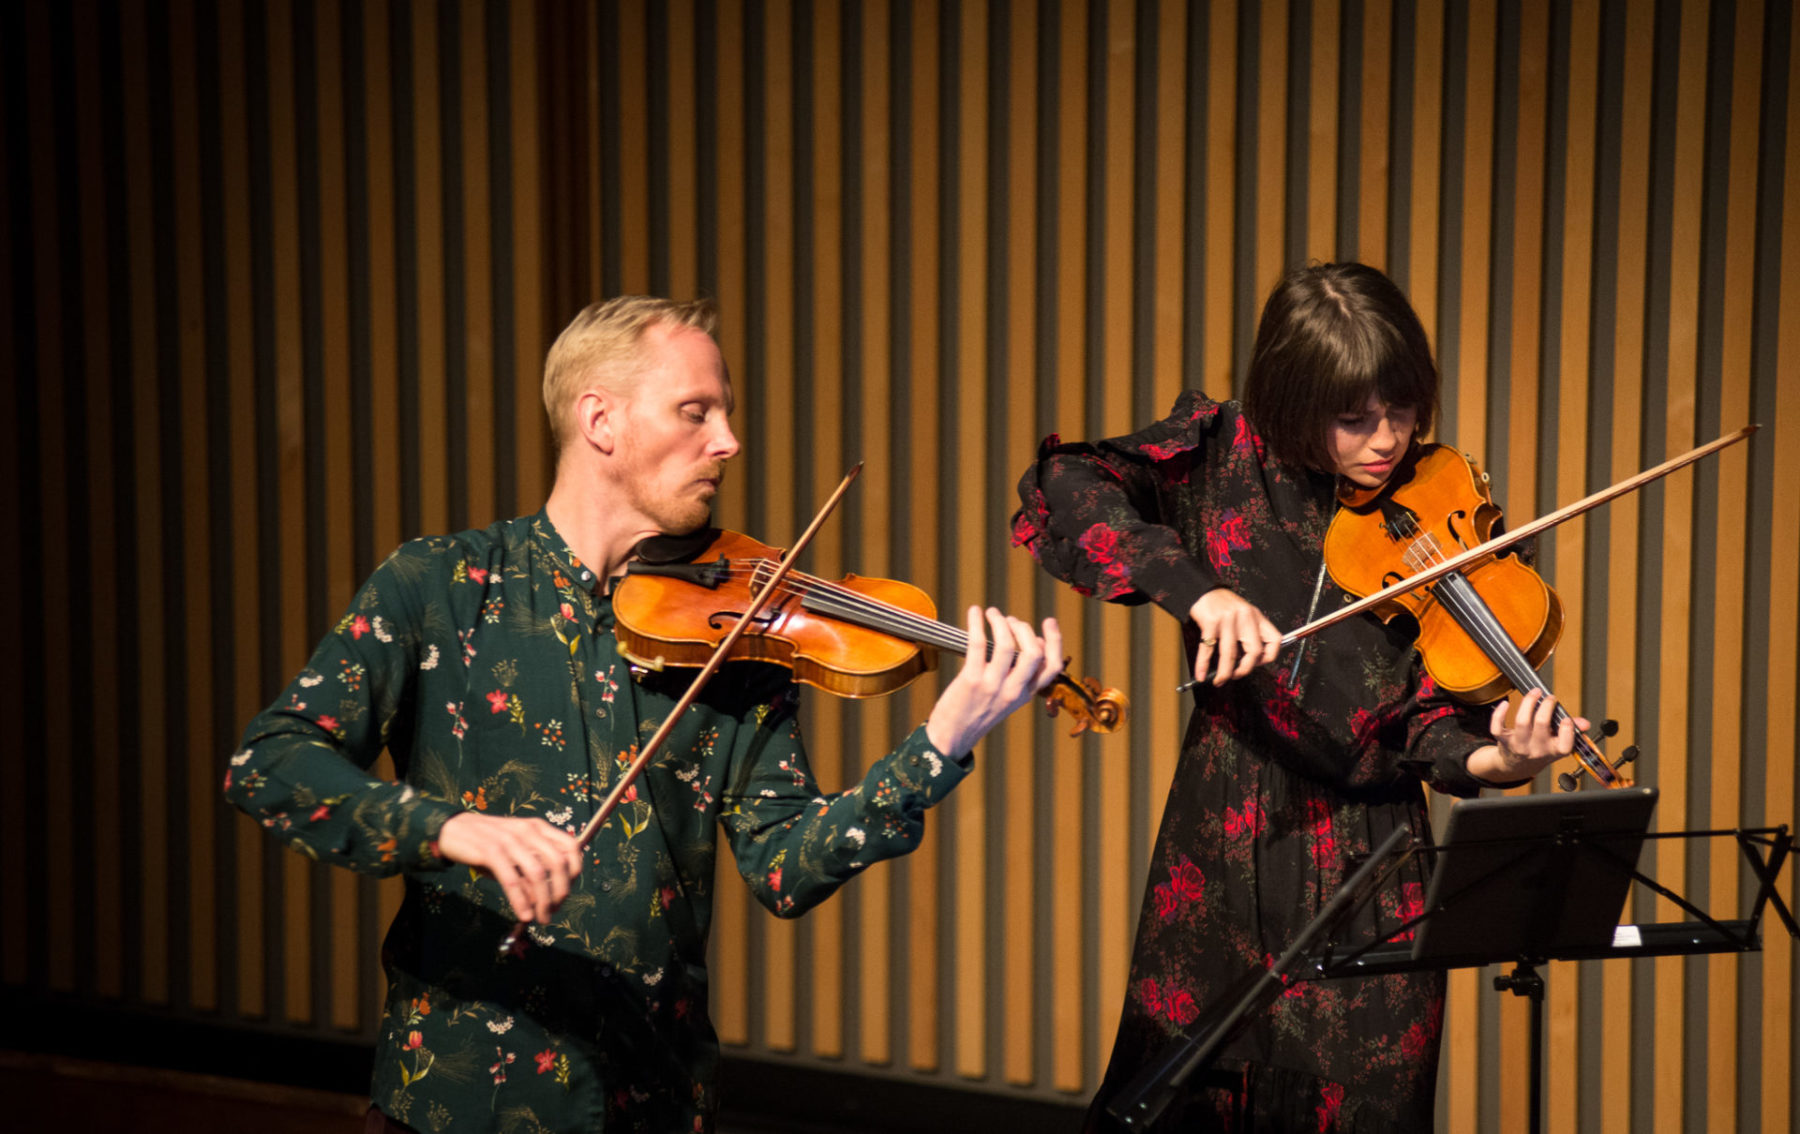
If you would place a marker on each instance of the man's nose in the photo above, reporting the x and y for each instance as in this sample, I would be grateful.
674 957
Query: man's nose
725 442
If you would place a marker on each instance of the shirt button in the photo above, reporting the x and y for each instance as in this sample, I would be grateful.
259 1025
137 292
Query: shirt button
606 885
606 970
586 575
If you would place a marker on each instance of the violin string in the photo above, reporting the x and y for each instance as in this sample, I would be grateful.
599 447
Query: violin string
1476 617
1479 620
858 607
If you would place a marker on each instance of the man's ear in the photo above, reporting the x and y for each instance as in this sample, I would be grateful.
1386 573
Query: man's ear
596 418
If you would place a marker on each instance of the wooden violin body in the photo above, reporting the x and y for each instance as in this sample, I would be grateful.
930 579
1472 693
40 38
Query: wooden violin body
1438 504
853 637
672 617
1484 628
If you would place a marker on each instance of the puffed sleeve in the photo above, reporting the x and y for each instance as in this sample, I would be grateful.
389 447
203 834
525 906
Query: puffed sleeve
1094 515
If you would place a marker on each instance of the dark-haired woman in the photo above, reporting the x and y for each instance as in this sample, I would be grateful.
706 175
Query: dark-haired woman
1289 771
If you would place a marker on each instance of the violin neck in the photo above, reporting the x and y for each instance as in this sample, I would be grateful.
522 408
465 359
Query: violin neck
873 614
1476 618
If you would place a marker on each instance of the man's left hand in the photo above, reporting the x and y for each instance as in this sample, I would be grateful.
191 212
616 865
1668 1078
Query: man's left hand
990 687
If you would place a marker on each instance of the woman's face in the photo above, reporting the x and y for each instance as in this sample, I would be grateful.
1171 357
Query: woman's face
1367 445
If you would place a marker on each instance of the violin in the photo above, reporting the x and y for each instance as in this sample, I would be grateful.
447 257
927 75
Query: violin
853 637
1483 628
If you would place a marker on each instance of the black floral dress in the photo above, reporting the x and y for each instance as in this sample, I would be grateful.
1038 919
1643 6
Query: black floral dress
1286 778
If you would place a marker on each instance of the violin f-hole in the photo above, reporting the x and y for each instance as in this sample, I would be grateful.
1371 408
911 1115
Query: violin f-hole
719 619
1450 522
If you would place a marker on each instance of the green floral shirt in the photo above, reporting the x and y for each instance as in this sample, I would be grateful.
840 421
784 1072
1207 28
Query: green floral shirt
486 663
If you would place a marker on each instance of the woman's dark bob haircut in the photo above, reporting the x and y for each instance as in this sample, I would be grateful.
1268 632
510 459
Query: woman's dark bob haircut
1331 336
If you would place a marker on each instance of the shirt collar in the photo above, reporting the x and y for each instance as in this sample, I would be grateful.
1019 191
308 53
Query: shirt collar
561 557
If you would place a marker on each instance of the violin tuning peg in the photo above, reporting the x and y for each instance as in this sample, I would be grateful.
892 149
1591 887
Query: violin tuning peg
1627 756
1609 728
1566 781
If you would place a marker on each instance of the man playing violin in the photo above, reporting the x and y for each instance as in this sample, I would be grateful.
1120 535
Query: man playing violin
1292 766
486 664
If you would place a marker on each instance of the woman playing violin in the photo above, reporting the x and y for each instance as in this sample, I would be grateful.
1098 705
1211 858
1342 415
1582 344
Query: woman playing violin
1292 766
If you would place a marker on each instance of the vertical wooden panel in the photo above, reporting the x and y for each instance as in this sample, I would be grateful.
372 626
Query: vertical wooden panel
974 433
1161 717
15 903
1069 848
1728 756
683 145
1324 48
290 461
829 413
386 477
922 491
1425 172
251 844
772 401
1563 1091
633 129
1776 1034
1622 592
476 243
530 318
1268 214
1523 417
1220 218
1474 256
1019 965
98 267
15 335
196 706
731 917
1463 996
382 267
333 436
55 553
599 189
1373 172
153 823
874 989
1112 836
427 219
1676 619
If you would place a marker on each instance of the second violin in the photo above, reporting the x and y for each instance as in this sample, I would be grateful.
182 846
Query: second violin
1484 629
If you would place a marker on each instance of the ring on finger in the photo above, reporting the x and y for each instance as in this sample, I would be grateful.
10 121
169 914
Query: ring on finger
1209 643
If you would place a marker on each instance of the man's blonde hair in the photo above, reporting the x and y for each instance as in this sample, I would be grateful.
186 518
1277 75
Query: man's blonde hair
603 346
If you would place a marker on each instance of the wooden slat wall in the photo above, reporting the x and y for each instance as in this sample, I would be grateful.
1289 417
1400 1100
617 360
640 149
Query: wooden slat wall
277 279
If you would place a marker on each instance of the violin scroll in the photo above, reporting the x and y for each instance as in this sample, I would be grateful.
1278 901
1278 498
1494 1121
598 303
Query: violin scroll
1088 705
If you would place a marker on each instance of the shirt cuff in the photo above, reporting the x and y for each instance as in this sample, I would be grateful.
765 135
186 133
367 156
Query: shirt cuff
924 771
421 819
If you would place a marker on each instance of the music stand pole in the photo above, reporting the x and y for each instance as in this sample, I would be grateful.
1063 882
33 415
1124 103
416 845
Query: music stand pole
1525 981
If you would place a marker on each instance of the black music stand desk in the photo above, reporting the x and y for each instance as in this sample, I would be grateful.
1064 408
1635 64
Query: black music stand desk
1524 880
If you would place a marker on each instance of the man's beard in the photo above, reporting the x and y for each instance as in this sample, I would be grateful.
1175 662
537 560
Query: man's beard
680 513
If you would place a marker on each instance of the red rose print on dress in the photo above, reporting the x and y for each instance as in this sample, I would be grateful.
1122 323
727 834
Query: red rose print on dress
1101 544
1185 884
1231 533
1168 1001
